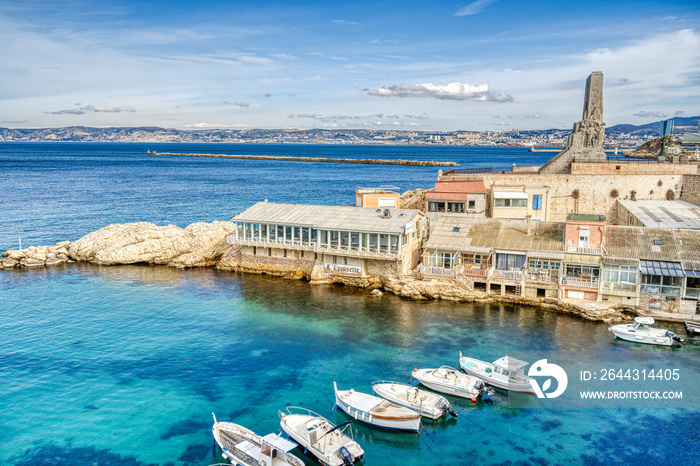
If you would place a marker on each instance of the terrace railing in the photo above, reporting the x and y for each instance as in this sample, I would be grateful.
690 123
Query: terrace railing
514 275
314 247
579 282
436 271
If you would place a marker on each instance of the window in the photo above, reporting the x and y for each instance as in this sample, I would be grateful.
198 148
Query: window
510 202
344 239
355 240
545 264
509 261
436 206
471 205
620 273
584 234
536 201
440 259
455 207
584 272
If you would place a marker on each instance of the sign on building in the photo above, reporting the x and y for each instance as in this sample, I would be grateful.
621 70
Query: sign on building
342 268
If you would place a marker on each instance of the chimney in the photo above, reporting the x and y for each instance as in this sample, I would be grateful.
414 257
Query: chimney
529 224
387 213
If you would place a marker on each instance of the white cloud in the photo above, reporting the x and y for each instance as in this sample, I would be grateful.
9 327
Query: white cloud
81 110
237 104
646 114
474 7
452 91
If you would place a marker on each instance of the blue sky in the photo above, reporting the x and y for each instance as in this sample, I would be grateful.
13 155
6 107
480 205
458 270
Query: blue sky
484 65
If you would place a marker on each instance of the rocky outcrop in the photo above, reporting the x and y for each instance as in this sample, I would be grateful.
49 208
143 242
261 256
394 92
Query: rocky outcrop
198 245
36 256
414 199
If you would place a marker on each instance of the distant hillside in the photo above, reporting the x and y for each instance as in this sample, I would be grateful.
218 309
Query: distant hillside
652 129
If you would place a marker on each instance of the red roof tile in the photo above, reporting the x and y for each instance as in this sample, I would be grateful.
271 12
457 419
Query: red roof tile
471 186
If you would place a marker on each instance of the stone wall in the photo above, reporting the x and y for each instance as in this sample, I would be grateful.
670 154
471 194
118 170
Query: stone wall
594 191
691 189
633 168
274 262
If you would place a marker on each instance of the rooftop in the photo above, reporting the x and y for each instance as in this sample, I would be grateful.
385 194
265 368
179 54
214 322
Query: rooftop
458 233
585 218
664 214
365 219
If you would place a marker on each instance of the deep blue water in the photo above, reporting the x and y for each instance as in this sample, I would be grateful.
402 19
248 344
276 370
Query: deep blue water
123 365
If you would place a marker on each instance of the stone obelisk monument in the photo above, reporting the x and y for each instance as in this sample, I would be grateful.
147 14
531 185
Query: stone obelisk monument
586 140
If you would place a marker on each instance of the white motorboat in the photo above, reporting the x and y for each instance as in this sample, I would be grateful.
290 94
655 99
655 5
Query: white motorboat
326 443
446 379
243 447
692 327
427 404
641 332
376 411
506 373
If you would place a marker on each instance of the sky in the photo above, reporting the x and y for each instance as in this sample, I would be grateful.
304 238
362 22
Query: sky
486 65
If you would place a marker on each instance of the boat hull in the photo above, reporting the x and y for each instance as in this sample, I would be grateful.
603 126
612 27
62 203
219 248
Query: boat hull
648 340
431 412
407 424
692 327
442 387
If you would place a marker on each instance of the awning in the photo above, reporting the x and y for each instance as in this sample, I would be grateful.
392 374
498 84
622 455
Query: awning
279 442
692 273
667 269
509 195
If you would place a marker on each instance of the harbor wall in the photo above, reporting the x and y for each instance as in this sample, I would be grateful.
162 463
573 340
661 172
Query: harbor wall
595 192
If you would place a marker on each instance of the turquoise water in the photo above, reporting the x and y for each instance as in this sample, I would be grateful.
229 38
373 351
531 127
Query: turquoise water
124 365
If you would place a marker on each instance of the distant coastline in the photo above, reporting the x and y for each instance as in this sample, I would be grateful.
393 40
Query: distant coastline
617 135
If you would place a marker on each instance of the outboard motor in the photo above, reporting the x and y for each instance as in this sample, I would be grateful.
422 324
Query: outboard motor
347 457
673 336
442 403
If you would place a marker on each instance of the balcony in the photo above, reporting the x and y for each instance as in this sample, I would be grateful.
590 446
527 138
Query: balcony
579 282
314 247
542 276
473 272
512 275
436 271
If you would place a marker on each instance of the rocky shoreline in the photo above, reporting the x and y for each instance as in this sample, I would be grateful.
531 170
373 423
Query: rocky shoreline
204 245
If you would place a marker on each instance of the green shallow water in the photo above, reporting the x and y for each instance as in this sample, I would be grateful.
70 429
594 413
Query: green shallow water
124 365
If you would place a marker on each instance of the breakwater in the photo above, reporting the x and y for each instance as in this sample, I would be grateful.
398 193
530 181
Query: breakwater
420 163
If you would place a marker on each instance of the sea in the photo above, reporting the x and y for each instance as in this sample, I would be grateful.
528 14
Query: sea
124 365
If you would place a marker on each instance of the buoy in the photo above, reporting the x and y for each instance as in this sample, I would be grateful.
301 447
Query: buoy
282 415
415 370
473 400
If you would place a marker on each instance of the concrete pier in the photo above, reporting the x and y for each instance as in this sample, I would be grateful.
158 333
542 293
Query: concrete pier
419 163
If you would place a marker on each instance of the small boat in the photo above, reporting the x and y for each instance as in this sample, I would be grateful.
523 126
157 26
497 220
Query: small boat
322 440
243 447
376 411
641 332
427 404
446 379
506 373
692 327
